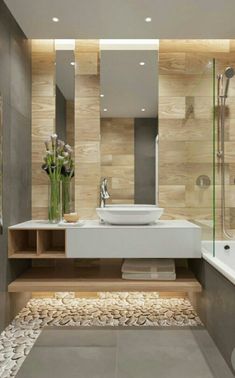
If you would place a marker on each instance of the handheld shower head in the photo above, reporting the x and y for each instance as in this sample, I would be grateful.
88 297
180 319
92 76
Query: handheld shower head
229 73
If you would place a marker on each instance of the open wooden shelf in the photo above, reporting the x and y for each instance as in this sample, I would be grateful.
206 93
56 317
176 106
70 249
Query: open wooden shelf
36 244
105 277
51 242
22 243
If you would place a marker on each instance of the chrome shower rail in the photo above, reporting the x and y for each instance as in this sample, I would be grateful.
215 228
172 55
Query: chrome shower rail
222 94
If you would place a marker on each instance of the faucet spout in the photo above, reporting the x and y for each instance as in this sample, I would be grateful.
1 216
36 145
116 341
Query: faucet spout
104 194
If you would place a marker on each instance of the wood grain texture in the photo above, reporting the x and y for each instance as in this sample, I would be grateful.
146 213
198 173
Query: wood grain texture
117 158
107 278
43 119
194 45
88 85
88 63
171 107
185 127
87 128
87 45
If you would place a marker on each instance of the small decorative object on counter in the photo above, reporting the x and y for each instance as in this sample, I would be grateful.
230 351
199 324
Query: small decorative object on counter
71 218
58 164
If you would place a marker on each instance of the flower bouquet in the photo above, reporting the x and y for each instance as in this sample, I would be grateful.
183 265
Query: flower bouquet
59 166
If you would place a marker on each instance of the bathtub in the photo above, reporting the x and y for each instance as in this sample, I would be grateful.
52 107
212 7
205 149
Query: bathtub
224 260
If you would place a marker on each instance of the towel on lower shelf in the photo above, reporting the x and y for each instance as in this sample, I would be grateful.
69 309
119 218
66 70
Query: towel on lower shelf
148 269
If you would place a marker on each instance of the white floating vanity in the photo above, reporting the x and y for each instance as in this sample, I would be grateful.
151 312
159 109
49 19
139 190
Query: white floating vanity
108 245
164 239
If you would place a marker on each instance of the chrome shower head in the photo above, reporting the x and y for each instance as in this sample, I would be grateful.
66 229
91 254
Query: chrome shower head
229 73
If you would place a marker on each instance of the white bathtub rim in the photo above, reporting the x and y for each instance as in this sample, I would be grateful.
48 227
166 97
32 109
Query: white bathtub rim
225 270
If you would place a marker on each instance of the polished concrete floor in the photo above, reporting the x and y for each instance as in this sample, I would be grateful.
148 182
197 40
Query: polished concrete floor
69 352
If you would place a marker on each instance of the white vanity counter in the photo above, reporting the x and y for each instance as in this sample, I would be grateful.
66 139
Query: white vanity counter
164 239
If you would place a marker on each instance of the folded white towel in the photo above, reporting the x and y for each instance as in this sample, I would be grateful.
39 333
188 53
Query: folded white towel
149 276
148 266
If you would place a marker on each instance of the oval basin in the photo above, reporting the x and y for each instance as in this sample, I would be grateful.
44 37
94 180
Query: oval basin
129 214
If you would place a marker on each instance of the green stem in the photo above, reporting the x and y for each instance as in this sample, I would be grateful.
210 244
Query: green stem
66 194
54 200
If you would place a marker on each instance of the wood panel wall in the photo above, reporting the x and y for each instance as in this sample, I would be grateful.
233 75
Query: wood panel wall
87 127
117 158
43 119
186 127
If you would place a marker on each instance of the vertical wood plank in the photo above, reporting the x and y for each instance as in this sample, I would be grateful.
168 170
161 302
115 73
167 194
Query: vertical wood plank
87 127
43 119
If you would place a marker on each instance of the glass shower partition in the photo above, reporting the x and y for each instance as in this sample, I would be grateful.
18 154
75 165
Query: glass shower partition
187 134
224 153
201 148
192 174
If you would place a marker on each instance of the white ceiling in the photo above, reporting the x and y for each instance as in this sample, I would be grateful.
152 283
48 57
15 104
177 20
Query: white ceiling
125 18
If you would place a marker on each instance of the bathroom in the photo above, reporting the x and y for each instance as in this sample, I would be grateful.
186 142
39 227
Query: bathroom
135 271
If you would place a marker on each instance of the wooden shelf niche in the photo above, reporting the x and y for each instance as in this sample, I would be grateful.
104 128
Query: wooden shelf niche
51 243
22 243
106 276
31 244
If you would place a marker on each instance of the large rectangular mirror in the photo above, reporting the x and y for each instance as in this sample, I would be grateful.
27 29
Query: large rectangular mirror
1 164
65 94
129 106
65 97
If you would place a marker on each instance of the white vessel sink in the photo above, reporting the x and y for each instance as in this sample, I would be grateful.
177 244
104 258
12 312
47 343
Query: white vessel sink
129 214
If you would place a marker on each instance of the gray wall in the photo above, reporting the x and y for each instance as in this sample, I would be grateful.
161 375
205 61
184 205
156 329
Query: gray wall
216 306
60 114
15 87
145 135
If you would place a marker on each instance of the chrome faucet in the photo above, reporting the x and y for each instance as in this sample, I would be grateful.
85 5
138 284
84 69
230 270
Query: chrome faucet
104 194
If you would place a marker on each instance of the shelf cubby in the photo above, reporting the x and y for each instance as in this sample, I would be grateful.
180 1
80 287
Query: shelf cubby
23 243
33 243
51 243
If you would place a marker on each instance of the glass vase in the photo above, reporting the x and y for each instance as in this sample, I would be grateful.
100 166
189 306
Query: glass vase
67 197
54 200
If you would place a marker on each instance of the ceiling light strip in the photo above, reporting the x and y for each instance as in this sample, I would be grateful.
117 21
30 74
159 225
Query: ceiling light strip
129 44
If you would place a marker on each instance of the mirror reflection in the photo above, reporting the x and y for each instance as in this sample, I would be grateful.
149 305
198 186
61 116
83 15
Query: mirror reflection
129 103
65 92
65 96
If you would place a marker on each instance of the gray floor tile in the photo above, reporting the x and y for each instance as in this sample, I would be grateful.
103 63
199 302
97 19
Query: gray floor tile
72 336
162 362
158 337
169 354
69 362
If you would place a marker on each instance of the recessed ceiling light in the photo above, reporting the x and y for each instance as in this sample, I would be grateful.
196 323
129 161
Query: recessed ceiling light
55 19
143 109
105 109
142 63
148 19
72 63
102 95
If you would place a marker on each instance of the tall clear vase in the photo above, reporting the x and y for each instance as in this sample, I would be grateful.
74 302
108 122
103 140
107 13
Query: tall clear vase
67 200
54 201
